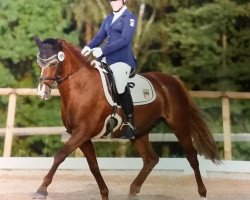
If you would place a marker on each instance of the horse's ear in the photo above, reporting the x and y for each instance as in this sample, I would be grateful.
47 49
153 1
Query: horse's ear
37 41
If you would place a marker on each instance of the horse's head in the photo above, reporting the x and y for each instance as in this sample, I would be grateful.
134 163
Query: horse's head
49 58
58 60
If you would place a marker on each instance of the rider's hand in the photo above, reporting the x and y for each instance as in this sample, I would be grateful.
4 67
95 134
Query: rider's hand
97 52
86 51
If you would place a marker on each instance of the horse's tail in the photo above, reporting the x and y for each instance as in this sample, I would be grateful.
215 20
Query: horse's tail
202 137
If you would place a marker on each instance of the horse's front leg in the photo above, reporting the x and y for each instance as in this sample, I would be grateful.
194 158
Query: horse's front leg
88 149
73 143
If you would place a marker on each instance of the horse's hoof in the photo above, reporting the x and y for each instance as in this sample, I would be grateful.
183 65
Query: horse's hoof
204 198
40 195
134 198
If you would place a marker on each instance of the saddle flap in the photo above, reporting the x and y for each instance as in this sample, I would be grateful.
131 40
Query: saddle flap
142 90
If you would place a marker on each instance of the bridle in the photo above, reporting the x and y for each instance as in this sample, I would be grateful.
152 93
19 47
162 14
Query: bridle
53 61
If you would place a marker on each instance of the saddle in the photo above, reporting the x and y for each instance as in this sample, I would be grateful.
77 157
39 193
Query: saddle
110 81
142 92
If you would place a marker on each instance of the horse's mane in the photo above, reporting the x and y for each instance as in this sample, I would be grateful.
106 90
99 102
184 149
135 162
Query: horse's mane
76 50
70 45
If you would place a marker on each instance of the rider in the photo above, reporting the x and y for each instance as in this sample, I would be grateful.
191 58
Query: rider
118 29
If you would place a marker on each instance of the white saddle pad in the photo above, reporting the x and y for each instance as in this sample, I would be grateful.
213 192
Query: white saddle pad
142 93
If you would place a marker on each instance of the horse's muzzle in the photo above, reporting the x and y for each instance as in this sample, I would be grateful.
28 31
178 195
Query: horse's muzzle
43 91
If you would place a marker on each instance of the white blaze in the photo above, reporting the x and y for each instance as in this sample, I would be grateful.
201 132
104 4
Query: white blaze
41 90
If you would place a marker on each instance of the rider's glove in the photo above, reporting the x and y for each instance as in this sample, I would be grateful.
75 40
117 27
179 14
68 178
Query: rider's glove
97 52
86 51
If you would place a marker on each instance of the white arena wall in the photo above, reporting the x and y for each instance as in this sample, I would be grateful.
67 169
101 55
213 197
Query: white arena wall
174 166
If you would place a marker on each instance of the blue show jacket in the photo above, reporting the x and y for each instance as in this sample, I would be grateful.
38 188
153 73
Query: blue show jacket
119 36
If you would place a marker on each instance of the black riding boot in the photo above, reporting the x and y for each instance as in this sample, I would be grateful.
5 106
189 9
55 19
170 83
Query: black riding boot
129 129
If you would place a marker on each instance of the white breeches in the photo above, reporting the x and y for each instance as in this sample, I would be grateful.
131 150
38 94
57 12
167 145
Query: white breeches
121 73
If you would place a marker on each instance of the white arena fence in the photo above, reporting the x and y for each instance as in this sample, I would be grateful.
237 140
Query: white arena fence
170 166
227 137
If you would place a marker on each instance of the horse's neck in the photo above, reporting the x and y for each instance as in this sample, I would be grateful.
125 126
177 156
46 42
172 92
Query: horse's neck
76 75
74 60
78 71
71 67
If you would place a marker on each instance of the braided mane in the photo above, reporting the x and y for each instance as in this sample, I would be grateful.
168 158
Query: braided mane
86 60
70 45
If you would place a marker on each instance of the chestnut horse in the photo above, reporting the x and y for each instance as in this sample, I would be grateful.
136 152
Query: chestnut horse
84 109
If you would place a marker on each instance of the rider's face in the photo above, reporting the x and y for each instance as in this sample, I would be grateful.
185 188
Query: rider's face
116 4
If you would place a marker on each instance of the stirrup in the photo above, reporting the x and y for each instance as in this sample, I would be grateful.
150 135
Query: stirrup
128 132
127 124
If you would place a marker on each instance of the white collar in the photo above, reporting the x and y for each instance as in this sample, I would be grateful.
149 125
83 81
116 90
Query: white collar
118 14
121 11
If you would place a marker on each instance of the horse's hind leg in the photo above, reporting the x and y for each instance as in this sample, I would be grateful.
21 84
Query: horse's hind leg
88 149
184 137
150 159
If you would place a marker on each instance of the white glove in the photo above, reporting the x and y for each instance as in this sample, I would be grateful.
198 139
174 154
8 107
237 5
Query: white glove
97 52
86 51
95 63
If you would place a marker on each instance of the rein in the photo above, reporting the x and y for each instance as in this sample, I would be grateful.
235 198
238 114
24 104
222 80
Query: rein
57 80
